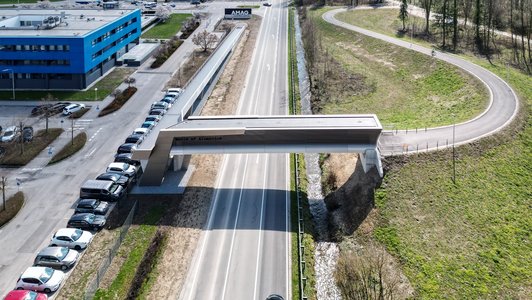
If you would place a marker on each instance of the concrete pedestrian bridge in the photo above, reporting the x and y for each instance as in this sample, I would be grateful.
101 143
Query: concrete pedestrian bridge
260 134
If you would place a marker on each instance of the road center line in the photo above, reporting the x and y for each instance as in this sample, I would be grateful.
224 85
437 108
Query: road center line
261 223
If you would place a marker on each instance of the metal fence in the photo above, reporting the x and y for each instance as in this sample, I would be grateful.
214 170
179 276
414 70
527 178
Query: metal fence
93 285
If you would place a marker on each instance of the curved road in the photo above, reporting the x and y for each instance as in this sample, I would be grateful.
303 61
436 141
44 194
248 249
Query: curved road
501 110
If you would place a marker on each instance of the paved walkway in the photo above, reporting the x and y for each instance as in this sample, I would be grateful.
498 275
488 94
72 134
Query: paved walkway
502 108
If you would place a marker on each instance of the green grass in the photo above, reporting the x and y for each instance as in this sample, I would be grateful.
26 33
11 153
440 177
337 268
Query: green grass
404 88
133 248
470 240
70 148
13 206
40 141
168 29
308 238
105 86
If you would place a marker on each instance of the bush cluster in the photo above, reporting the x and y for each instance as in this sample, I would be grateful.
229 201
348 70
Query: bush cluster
165 51
119 100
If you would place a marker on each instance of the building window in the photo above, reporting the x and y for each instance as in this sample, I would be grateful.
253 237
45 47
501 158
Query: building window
67 47
51 47
59 47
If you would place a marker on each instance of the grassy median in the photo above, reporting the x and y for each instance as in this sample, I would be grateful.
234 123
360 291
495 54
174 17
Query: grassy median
14 156
13 206
70 148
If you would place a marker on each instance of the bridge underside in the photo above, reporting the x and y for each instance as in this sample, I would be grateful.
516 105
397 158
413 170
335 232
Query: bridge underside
264 134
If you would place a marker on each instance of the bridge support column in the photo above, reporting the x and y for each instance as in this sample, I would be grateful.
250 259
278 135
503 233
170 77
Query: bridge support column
371 158
177 162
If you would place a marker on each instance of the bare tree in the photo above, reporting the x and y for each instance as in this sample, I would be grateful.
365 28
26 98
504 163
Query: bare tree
130 81
116 93
365 275
47 110
204 39
403 12
162 13
427 5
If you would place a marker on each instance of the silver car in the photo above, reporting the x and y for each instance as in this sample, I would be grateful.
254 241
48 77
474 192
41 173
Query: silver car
57 257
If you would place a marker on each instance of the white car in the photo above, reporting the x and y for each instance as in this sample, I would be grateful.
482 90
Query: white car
72 238
10 134
123 168
141 131
174 90
72 108
40 279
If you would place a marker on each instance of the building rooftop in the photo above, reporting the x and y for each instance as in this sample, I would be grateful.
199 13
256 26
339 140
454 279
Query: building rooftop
55 22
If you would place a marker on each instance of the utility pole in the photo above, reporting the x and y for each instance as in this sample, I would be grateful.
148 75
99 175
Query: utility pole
454 157
3 181
21 137
72 133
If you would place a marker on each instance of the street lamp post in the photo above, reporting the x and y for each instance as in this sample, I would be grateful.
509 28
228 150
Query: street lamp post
12 80
95 94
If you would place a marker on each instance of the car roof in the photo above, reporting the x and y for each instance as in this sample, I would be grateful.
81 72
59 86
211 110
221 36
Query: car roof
11 128
117 165
141 129
51 251
87 201
81 216
91 184
72 105
65 232
107 175
33 272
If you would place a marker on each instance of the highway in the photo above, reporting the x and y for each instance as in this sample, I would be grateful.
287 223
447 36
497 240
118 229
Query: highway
244 253
502 108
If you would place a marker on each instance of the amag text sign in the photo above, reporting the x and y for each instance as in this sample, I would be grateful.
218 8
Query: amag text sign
237 13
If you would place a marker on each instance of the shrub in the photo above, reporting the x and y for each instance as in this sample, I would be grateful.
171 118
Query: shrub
70 148
13 205
166 50
78 114
119 101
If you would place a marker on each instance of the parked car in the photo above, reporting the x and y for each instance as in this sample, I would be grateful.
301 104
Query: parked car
10 134
86 221
25 295
116 178
126 148
174 90
267 4
72 238
57 108
93 206
40 279
102 190
153 118
56 257
160 105
135 138
27 134
168 100
140 130
148 124
123 168
41 109
157 111
126 158
72 108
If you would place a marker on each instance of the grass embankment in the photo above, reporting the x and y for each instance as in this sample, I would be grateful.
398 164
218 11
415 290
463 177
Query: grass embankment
41 140
118 101
105 86
70 149
308 235
470 240
167 29
358 74
133 249
13 205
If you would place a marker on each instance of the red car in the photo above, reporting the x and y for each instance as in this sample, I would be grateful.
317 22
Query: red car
25 295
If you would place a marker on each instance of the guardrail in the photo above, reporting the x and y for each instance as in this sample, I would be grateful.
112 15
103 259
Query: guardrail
300 221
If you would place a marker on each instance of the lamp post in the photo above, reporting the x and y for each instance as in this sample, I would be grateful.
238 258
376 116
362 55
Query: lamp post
95 94
12 80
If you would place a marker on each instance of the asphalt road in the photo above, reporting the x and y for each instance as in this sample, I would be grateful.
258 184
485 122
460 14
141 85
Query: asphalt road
502 108
244 251
51 191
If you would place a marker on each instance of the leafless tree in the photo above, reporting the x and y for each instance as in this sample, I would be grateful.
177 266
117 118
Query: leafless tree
47 112
130 81
116 93
162 13
204 39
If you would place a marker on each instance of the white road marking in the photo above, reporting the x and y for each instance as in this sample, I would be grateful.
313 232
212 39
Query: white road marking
95 134
260 227
91 152
234 229
268 66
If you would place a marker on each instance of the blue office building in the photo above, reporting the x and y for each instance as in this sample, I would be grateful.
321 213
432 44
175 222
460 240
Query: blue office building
63 49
